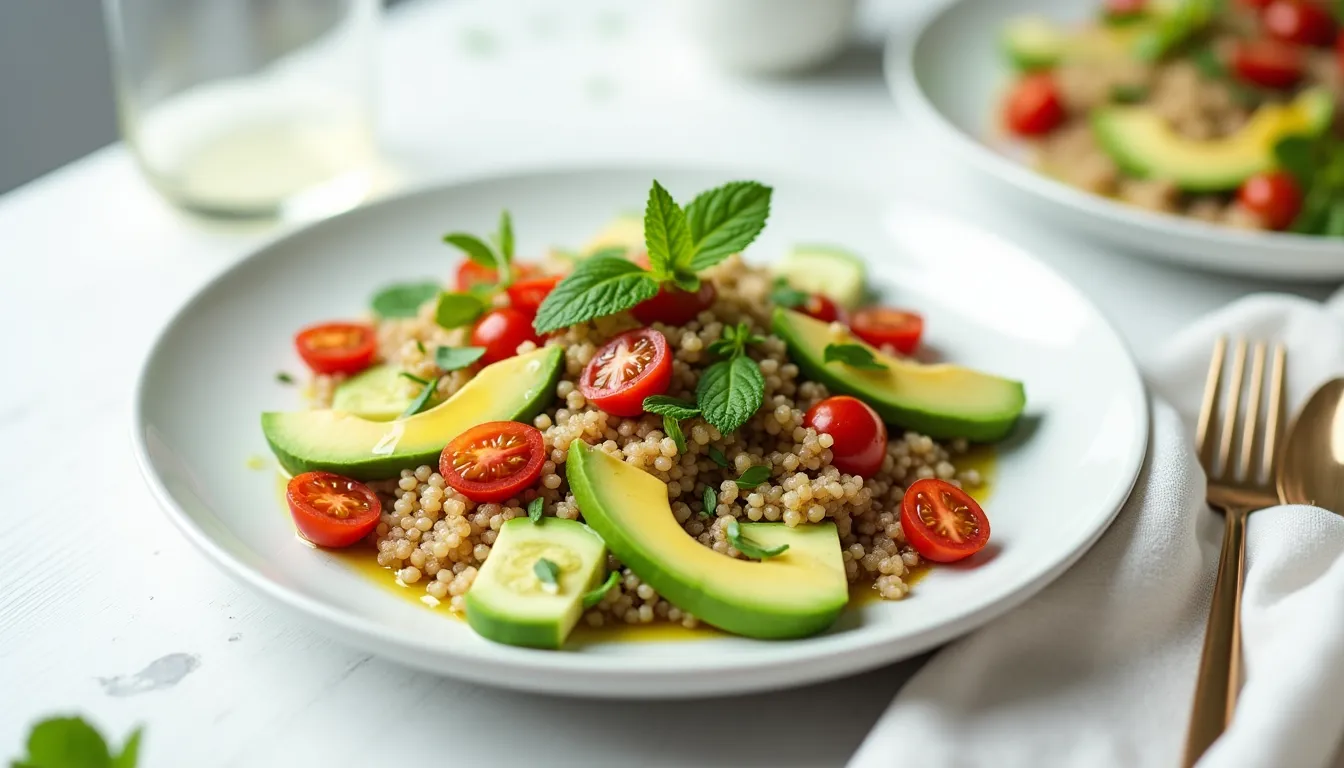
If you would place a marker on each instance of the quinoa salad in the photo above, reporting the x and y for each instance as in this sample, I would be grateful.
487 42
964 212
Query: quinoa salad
649 429
1224 111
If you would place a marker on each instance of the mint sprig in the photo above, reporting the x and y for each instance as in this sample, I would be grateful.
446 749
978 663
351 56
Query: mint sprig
597 287
453 358
667 236
710 502
71 742
534 510
748 547
853 355
455 310
499 258
403 299
726 220
730 392
673 411
753 477
1317 164
421 400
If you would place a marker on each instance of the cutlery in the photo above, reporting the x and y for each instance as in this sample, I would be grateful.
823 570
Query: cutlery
1311 470
1237 485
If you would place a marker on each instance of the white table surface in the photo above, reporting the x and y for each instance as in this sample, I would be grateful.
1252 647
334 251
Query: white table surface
94 582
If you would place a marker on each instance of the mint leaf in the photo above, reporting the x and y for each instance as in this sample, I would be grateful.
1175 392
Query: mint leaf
670 406
716 456
734 340
710 501
66 742
403 299
686 282
421 400
666 234
730 391
673 430
130 752
597 287
594 597
725 220
753 477
534 510
853 355
747 546
453 358
1297 156
610 252
786 295
549 574
506 236
474 247
413 377
455 310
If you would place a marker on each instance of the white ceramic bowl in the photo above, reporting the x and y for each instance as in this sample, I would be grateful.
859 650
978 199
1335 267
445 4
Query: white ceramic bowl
766 36
948 76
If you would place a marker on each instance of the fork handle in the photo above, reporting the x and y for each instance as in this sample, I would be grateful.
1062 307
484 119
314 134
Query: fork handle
1220 671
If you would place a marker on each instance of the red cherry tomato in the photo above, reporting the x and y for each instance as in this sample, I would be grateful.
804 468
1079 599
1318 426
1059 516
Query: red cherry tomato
470 274
674 306
330 510
337 347
1268 63
1274 196
1034 106
821 308
526 295
500 331
942 522
882 327
493 461
860 437
626 370
1298 21
1125 10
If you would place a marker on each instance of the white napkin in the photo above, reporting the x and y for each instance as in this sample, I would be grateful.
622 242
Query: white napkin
1099 668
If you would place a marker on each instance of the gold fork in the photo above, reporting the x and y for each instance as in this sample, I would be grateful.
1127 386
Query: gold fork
1237 489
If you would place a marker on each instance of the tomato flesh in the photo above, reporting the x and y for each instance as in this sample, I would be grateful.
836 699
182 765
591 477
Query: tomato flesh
494 461
1298 21
472 275
1268 63
526 295
859 435
942 522
884 327
1034 106
337 347
821 308
627 369
500 331
674 306
330 510
1275 197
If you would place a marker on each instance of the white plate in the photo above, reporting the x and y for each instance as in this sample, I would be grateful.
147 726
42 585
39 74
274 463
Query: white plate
948 77
1061 478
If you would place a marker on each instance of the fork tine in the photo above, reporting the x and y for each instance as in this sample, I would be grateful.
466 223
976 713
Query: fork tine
1250 427
1275 413
1203 438
1231 408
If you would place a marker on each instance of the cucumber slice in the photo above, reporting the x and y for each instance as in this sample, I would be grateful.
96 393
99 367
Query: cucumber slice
834 273
510 603
377 394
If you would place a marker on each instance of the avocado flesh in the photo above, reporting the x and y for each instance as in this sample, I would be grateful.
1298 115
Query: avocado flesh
796 594
1035 43
942 401
508 603
1144 145
376 394
341 442
838 275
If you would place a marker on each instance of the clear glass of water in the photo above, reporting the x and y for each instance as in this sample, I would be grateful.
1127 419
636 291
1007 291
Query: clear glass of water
248 108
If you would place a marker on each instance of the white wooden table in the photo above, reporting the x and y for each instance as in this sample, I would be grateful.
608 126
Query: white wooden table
95 585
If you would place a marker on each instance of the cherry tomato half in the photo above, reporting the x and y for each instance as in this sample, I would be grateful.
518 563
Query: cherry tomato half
860 437
674 306
1274 196
500 331
330 510
1034 106
942 522
470 274
1298 21
493 461
1268 63
883 327
626 370
526 295
821 308
337 347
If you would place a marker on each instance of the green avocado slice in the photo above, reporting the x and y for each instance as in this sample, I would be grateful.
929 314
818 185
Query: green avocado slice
941 401
796 594
341 442
375 394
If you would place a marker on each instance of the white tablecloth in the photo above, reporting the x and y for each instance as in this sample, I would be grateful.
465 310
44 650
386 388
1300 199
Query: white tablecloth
94 583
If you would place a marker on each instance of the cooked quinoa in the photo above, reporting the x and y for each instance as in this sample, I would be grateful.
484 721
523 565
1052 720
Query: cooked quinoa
434 538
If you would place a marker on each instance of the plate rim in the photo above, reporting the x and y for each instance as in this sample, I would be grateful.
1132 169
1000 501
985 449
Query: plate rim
632 677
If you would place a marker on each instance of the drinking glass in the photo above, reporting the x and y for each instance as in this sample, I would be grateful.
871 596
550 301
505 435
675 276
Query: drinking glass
248 108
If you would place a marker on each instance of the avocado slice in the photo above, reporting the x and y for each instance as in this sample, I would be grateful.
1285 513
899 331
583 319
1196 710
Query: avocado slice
798 593
941 401
834 273
1144 145
341 442
1034 43
375 394
509 603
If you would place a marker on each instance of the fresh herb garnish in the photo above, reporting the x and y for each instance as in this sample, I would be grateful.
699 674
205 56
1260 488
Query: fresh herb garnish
499 258
549 574
1174 29
420 347
455 310
786 295
716 456
453 358
534 510
747 546
853 355
71 742
730 392
671 406
403 299
711 502
679 242
284 378
672 428
753 477
734 340
1212 66
595 596
1317 164
421 400
413 377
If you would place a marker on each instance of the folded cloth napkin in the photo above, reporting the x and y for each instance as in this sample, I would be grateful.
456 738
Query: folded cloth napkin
1099 668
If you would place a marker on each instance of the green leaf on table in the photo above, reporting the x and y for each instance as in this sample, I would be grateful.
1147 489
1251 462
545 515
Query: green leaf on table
534 509
665 405
592 598
666 234
455 310
421 400
753 477
730 392
725 220
454 358
71 742
549 575
130 752
403 299
710 502
748 547
853 355
597 287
